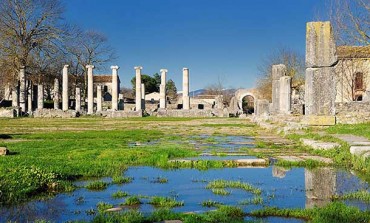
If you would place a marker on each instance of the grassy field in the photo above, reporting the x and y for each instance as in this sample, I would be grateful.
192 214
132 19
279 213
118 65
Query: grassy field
47 154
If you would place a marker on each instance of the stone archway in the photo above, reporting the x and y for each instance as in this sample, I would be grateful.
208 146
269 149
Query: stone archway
242 93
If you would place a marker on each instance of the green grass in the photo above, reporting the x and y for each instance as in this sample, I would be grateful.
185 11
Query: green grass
120 194
359 195
131 201
97 185
160 180
224 214
333 212
222 184
220 191
210 203
102 206
165 202
256 200
121 180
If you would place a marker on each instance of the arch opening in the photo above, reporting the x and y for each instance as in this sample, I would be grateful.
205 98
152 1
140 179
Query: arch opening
248 103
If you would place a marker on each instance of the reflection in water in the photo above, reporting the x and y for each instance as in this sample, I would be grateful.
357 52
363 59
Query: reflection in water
279 172
321 185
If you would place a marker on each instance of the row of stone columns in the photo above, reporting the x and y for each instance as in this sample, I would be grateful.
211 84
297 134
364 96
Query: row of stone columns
140 91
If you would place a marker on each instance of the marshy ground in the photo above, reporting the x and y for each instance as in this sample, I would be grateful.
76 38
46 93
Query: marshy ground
77 169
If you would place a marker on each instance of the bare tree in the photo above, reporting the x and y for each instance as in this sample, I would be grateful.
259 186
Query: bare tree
351 20
294 62
218 89
26 26
88 47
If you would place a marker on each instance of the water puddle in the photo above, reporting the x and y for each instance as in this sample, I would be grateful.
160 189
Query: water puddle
229 144
283 188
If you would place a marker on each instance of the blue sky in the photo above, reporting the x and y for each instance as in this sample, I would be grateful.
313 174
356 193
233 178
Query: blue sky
215 39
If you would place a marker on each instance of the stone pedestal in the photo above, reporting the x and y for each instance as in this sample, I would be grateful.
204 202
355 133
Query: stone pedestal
115 87
78 99
99 99
285 94
40 96
90 89
185 89
162 90
56 93
138 88
278 71
65 95
22 89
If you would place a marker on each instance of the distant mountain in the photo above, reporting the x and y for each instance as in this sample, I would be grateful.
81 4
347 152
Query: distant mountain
202 91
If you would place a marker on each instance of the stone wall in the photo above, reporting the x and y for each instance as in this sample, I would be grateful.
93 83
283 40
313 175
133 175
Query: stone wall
8 113
121 114
352 112
186 113
54 113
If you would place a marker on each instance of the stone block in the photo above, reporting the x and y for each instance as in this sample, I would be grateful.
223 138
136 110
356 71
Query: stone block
359 150
316 120
319 145
320 45
262 108
4 151
8 112
320 91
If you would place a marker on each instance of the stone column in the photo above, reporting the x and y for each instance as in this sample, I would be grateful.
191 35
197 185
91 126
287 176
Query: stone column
114 87
162 90
278 71
143 96
22 89
30 96
40 96
90 89
185 89
7 92
56 93
320 84
78 99
138 88
15 102
65 95
285 94
99 100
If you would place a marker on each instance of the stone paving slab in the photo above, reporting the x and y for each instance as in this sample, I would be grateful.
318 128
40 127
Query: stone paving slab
319 144
291 158
353 140
318 158
360 150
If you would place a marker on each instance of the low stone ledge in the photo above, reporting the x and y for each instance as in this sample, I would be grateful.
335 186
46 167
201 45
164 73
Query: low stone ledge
4 151
9 112
192 113
319 145
121 114
55 113
319 120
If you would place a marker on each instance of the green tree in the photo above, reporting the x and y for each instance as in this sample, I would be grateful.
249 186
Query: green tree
171 89
149 82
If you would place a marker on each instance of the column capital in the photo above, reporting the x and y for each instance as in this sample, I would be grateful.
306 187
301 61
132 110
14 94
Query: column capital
114 67
90 66
185 68
164 70
138 68
66 66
